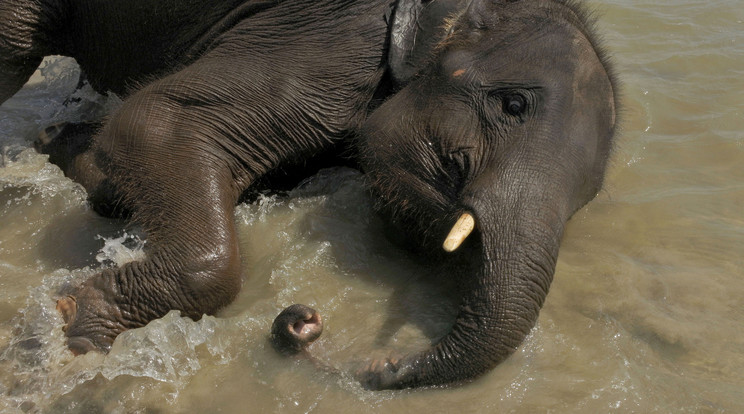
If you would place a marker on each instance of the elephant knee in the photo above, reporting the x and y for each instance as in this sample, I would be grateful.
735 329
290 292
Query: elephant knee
218 281
204 279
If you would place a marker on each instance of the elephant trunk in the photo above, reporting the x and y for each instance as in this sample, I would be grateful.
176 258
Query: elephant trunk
517 236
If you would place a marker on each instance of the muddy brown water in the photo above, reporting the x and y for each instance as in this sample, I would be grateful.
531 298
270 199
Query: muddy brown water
646 313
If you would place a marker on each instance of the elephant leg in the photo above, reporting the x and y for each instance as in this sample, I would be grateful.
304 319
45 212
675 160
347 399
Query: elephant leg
192 265
25 38
181 190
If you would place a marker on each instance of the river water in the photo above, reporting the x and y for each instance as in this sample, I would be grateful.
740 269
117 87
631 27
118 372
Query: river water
646 313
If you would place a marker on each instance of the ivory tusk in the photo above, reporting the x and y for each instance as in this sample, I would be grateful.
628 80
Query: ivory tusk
460 231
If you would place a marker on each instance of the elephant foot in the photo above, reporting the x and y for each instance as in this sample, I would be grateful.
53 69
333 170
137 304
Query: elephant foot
91 322
294 328
78 345
68 308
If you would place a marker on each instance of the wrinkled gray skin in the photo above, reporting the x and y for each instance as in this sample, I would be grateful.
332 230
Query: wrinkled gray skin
504 109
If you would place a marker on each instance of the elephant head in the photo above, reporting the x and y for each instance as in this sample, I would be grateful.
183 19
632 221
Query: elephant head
498 135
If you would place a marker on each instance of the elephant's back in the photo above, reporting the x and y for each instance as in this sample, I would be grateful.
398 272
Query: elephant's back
121 44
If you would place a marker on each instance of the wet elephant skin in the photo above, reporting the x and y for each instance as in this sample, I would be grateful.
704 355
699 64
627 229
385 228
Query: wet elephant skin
495 115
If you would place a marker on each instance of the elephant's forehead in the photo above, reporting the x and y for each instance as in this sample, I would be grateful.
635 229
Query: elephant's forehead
537 61
458 63
535 56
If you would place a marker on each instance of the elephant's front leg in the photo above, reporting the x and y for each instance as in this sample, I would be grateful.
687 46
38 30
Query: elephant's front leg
181 190
192 265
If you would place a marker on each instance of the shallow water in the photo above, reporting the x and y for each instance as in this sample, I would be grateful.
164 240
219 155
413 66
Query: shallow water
645 313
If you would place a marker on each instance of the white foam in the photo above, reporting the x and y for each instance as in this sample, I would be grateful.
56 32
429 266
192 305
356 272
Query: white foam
120 250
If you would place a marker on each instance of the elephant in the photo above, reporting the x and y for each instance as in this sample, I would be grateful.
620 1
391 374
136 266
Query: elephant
481 127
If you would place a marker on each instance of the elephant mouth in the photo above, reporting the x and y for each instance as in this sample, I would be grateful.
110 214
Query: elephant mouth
420 207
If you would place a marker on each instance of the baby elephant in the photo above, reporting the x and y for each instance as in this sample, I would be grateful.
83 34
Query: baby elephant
480 125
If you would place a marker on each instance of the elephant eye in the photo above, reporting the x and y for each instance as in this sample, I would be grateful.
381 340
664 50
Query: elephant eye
515 105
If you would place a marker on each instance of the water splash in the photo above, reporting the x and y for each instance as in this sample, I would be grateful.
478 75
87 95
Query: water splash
120 250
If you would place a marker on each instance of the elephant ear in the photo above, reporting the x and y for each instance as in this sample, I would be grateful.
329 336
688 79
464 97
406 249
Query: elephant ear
417 27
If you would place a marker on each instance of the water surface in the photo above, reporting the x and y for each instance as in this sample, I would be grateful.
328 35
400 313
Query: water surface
645 313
